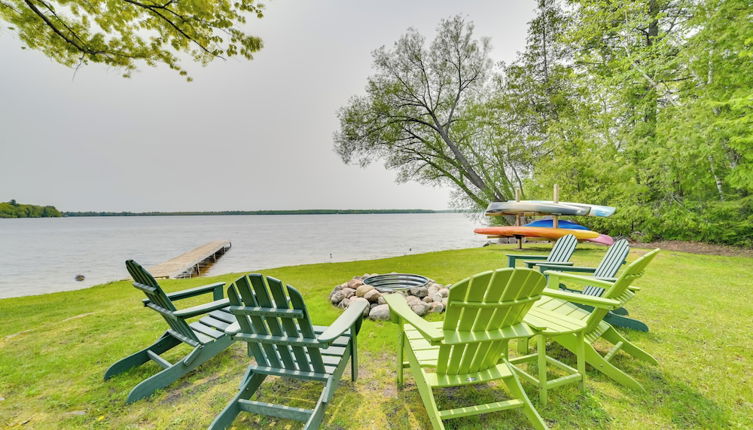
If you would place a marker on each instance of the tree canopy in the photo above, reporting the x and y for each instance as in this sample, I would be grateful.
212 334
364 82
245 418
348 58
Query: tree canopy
420 116
126 33
644 105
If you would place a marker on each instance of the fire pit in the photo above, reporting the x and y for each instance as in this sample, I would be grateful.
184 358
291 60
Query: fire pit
421 293
393 282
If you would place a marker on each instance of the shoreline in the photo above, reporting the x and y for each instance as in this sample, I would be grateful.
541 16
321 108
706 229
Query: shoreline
512 248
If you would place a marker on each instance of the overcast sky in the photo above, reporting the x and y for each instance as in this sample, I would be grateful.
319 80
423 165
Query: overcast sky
244 135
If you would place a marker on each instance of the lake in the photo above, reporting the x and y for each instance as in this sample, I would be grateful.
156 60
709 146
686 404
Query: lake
42 255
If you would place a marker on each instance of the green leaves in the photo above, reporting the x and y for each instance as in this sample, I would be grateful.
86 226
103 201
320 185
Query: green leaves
126 33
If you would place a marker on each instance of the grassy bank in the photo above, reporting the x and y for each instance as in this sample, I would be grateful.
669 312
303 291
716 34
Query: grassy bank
54 349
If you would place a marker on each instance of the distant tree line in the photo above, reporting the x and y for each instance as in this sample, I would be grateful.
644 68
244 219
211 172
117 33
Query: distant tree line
646 105
262 212
12 209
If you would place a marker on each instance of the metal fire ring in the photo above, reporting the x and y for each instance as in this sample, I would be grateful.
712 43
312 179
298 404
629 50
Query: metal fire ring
391 282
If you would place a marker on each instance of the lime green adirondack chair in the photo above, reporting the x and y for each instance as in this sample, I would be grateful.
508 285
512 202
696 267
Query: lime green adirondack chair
558 303
273 320
206 336
470 346
561 252
606 270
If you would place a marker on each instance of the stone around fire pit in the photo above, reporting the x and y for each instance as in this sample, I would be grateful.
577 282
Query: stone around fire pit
422 299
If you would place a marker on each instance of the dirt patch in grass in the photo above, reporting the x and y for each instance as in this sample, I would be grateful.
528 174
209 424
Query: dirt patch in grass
697 248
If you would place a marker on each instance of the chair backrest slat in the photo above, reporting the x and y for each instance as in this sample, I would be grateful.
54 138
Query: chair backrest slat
144 281
486 302
563 249
265 306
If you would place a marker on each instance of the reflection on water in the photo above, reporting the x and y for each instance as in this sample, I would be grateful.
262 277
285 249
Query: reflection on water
45 254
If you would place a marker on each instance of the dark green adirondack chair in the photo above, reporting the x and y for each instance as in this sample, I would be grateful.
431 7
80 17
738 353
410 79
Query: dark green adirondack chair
561 252
606 270
206 336
484 312
273 320
561 303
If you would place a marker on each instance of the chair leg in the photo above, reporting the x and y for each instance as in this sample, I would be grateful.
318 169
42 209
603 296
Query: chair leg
614 336
165 343
166 377
541 364
516 391
424 390
353 356
317 416
226 417
626 322
153 383
569 341
400 359
581 359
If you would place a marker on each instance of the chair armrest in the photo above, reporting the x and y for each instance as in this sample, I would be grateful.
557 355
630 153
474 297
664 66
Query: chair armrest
346 320
634 288
559 267
532 264
202 309
233 329
215 288
512 259
557 277
598 302
399 309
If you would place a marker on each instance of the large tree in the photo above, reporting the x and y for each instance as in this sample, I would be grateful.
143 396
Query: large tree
421 114
125 33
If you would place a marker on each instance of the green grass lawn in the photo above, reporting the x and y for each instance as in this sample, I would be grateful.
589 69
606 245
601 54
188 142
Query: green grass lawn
55 348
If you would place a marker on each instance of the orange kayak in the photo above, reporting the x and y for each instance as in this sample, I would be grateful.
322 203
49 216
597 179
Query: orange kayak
546 232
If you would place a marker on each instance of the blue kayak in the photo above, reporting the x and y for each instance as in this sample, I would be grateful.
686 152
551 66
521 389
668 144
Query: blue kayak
563 223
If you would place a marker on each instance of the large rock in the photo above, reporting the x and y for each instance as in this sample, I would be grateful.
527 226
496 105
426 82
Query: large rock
380 313
372 295
433 289
361 299
363 289
348 292
437 298
428 299
412 300
420 308
437 307
444 292
419 292
354 283
344 304
336 297
381 300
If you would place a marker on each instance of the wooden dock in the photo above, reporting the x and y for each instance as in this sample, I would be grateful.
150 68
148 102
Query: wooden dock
190 264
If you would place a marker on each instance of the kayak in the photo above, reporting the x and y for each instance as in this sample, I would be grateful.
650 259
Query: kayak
534 208
563 223
546 232
543 207
593 210
602 239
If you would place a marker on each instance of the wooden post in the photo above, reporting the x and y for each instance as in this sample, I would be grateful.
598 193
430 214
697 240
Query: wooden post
517 218
556 199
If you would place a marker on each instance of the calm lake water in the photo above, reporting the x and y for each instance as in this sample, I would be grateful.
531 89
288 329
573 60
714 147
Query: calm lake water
44 255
